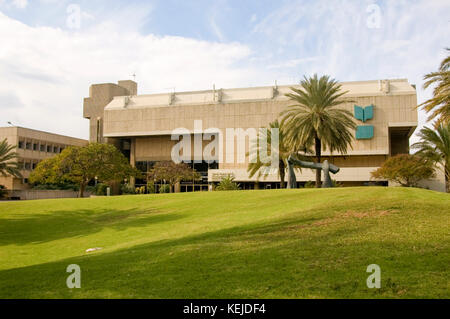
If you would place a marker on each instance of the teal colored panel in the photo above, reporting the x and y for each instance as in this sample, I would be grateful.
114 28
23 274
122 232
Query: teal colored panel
364 132
368 113
359 113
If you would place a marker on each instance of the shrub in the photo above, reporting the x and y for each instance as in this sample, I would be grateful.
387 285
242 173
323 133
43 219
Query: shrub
100 189
165 188
227 184
405 169
335 183
151 188
127 189
310 184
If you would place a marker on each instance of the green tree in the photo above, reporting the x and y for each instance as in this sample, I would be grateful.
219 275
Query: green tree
405 169
172 173
8 160
315 119
80 165
439 104
435 146
227 184
263 169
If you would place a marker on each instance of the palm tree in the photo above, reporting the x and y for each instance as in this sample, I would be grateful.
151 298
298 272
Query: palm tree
435 145
263 169
316 120
439 105
8 165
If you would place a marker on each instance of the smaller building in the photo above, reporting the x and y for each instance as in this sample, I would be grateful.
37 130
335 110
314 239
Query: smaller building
33 146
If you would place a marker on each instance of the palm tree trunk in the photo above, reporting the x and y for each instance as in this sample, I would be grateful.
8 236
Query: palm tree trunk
282 172
318 147
447 182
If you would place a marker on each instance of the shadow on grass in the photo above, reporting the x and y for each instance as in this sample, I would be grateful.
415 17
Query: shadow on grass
241 262
39 228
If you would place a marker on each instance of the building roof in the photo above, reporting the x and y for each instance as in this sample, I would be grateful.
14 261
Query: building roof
32 132
360 88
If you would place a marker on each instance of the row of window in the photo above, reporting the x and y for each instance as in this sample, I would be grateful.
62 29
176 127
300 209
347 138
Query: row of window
28 166
40 147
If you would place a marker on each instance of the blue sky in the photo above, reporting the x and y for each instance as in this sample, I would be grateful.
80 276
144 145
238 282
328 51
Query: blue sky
48 58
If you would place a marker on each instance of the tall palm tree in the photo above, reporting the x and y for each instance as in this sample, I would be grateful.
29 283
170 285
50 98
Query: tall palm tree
263 169
439 105
435 145
314 119
8 163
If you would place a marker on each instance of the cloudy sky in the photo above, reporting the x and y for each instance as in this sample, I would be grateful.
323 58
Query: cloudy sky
52 50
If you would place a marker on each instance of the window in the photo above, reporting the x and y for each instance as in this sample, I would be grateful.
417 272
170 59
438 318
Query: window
42 148
33 166
28 146
61 149
49 149
28 166
35 146
55 149
21 144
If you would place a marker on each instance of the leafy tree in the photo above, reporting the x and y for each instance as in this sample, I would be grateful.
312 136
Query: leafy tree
82 164
8 160
315 120
172 173
439 104
228 184
405 169
435 146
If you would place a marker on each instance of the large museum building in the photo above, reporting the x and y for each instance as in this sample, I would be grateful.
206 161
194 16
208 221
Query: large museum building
141 126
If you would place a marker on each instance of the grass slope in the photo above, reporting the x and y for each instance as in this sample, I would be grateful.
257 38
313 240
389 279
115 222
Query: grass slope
305 243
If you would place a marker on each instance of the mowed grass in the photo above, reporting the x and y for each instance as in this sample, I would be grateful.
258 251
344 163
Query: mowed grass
306 243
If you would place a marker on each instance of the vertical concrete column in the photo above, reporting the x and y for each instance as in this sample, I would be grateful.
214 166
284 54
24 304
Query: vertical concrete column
133 159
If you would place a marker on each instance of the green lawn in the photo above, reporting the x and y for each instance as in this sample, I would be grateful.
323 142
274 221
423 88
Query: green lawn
306 243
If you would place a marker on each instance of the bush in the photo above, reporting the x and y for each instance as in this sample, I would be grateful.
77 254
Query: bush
3 192
100 189
127 189
141 190
335 183
405 169
227 184
310 184
164 189
151 188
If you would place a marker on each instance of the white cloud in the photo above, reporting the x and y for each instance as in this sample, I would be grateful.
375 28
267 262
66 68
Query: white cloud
408 44
49 70
21 4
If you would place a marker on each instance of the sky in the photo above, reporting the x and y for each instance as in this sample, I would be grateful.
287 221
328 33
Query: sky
51 51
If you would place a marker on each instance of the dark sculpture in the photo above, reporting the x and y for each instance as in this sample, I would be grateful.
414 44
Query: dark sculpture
325 166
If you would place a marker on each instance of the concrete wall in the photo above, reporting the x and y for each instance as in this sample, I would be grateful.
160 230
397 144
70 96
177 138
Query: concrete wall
44 194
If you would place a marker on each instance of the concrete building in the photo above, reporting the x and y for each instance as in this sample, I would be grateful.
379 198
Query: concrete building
141 126
32 147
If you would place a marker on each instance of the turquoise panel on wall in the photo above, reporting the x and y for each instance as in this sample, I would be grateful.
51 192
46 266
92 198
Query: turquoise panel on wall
368 113
359 113
364 132
363 113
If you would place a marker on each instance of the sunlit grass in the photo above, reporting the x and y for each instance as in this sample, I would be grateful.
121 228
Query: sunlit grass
305 243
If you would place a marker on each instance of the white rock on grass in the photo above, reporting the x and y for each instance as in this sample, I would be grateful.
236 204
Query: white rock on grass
93 249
